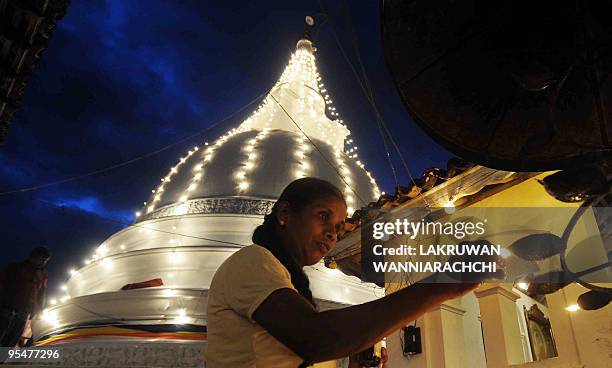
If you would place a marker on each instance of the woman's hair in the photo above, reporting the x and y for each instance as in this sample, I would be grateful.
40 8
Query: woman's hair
298 194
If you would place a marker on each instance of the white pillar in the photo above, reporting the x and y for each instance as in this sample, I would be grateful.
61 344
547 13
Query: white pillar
442 339
500 325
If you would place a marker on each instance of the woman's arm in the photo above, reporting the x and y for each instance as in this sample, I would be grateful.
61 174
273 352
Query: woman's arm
319 336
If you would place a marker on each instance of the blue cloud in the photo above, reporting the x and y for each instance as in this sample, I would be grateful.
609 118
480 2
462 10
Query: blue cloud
93 205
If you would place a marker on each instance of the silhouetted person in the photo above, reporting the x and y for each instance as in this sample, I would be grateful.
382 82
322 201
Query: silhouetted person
22 294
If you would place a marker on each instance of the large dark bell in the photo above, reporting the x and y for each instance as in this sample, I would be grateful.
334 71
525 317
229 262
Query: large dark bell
515 85
575 185
592 300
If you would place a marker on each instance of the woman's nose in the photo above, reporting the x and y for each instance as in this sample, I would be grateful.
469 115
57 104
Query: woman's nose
331 234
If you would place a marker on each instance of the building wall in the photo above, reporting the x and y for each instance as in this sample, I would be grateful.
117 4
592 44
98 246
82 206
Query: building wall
588 333
583 338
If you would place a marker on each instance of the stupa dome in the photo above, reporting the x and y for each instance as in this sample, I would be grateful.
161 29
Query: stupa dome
212 180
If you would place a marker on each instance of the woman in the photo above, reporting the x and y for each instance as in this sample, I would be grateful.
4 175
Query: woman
260 308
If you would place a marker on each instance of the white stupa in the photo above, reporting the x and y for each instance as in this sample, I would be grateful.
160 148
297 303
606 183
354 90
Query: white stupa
203 210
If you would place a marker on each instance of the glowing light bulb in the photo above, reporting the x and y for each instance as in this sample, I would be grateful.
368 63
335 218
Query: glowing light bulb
169 292
449 207
572 308
181 317
107 263
174 257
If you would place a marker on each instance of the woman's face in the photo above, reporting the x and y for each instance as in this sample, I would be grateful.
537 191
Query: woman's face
313 231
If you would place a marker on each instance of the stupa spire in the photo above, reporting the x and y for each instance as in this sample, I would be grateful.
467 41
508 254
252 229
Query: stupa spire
299 102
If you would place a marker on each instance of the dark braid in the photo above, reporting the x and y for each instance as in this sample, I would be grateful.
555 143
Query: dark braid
265 235
298 194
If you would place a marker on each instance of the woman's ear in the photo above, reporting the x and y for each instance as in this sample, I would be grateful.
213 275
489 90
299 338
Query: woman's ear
282 214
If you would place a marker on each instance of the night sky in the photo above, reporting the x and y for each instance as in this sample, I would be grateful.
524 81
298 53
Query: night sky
125 79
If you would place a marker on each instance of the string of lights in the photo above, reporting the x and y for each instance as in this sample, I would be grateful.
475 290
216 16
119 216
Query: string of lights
323 155
249 164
